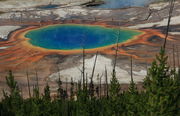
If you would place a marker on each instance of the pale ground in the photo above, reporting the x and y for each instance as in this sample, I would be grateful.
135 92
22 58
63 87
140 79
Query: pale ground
158 6
75 72
175 33
77 10
12 4
61 12
174 21
3 48
4 30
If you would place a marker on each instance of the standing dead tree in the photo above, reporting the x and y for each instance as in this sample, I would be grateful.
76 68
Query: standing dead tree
116 52
174 60
58 71
37 79
29 89
178 55
131 68
83 69
91 86
106 88
172 3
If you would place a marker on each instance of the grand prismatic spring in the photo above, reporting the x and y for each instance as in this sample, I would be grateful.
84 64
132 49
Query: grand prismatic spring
30 44
72 37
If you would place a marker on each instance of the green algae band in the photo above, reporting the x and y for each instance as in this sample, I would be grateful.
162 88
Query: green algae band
71 37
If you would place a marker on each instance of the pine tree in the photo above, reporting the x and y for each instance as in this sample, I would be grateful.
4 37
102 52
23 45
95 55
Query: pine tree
115 103
36 92
114 89
132 99
12 84
47 93
60 91
133 88
160 88
72 89
177 93
12 103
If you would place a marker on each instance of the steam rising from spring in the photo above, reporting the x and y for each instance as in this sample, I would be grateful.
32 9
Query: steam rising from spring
125 3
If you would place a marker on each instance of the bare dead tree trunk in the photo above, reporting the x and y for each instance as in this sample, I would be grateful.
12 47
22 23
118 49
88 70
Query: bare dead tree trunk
147 66
80 82
76 84
37 79
100 87
92 75
172 3
86 81
174 61
169 59
107 86
66 88
178 55
59 76
37 84
83 69
29 89
104 86
115 59
131 69
94 66
21 88
33 90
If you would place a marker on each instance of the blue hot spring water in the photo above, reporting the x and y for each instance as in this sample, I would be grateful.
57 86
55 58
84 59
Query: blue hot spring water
49 6
71 37
124 3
